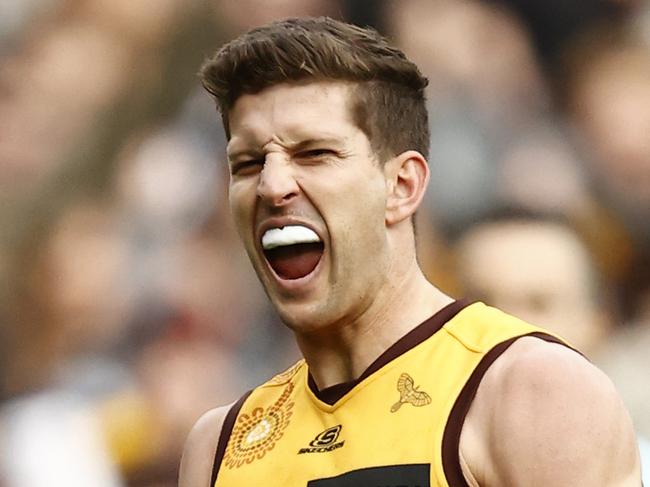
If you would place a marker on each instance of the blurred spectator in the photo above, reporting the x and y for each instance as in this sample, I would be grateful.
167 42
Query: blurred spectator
611 105
541 171
50 96
53 439
57 367
485 90
143 27
54 307
554 23
237 17
476 51
15 16
537 268
608 98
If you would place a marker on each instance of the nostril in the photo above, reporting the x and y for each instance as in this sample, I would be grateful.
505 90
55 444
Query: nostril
277 188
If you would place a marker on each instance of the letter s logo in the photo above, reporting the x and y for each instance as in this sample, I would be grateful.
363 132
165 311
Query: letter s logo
327 437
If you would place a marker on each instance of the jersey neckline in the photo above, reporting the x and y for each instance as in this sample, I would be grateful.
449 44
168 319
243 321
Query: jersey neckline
330 395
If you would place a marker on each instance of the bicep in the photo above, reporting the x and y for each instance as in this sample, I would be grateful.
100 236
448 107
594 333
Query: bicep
564 425
200 447
557 420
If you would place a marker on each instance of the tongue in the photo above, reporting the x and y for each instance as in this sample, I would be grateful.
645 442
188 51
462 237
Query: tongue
295 261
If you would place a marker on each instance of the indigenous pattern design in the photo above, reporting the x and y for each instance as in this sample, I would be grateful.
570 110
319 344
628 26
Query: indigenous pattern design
287 375
256 433
408 393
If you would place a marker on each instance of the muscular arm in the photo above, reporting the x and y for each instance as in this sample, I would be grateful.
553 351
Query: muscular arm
200 448
543 415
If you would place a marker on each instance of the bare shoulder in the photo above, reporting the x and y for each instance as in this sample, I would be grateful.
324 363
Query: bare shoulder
546 416
200 448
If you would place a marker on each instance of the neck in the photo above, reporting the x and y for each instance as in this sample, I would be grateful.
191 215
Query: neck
341 353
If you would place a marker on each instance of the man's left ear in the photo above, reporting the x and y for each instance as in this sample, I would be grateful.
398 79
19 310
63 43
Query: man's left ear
407 176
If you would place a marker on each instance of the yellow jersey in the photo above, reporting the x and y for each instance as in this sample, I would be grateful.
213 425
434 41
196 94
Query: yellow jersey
398 424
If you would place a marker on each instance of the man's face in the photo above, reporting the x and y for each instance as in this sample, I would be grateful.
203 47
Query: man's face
537 271
308 198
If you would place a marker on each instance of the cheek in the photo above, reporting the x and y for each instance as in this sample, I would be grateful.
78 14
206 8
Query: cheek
367 206
241 200
242 207
358 218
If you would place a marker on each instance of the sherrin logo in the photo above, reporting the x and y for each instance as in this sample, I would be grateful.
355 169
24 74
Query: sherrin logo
325 441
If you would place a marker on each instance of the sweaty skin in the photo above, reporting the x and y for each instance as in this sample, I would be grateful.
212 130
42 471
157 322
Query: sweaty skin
296 157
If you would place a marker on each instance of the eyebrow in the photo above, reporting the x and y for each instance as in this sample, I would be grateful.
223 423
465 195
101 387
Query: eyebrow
302 145
244 152
297 147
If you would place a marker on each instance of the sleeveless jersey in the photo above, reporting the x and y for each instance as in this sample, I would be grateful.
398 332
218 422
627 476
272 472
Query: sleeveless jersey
398 424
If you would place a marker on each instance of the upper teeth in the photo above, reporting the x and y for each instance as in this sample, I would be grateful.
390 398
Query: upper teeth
289 235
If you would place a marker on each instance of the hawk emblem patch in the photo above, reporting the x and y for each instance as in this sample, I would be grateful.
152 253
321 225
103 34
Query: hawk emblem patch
408 393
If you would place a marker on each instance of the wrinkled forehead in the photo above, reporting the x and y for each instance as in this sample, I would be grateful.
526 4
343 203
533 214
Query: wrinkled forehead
292 112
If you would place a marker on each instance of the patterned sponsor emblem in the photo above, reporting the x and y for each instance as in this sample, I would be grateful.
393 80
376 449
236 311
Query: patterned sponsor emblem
256 433
408 393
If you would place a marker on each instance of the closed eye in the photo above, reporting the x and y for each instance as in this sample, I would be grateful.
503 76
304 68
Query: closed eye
315 153
245 168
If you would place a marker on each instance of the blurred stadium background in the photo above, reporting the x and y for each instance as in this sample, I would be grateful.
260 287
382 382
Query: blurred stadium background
127 307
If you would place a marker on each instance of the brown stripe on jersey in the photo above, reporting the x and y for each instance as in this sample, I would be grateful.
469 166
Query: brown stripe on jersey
224 436
451 437
417 335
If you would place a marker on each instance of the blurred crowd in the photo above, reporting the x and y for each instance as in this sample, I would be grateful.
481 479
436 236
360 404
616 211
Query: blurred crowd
127 305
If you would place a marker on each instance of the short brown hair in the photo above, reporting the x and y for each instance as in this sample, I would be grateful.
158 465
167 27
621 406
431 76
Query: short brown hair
388 103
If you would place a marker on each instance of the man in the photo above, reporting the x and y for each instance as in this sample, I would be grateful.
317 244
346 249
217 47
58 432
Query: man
559 289
400 384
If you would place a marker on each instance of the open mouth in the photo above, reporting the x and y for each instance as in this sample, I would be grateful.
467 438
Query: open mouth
292 251
295 261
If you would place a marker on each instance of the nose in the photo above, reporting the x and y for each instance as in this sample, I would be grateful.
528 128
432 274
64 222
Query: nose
277 184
